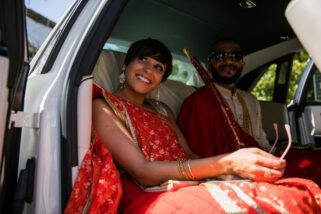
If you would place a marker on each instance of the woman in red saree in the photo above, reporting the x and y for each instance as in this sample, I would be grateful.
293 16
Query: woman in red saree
144 141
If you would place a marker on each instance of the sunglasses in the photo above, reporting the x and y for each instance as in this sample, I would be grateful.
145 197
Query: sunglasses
218 56
288 132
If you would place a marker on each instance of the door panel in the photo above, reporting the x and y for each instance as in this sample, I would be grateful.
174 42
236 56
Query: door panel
310 103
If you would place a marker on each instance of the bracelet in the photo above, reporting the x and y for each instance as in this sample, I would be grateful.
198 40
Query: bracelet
190 170
184 169
181 169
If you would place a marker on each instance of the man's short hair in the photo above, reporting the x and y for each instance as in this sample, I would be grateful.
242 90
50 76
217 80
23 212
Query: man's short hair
221 40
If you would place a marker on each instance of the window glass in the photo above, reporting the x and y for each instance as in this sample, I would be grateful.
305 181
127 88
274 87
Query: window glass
186 73
42 15
264 88
314 88
299 62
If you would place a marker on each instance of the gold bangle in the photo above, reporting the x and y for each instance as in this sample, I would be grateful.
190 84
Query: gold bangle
184 169
190 170
181 169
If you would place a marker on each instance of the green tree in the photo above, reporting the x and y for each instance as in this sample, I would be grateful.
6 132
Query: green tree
263 90
299 63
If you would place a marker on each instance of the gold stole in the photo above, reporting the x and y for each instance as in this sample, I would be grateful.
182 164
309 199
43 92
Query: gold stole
247 124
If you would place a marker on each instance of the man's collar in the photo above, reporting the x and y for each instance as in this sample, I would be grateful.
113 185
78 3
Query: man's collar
226 89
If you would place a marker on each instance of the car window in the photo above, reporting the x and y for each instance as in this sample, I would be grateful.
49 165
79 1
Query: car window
41 19
299 62
186 73
264 88
314 88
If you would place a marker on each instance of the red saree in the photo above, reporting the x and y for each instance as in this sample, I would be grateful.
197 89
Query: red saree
158 141
201 119
98 183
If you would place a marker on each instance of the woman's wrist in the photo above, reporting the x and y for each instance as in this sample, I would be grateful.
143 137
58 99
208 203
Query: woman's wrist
222 165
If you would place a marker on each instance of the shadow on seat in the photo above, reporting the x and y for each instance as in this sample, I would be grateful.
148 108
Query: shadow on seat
273 112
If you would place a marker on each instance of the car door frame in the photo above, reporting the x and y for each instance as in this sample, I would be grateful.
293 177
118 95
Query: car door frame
301 113
80 68
15 45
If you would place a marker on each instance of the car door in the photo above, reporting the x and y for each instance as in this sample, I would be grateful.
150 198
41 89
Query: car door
305 109
46 122
14 71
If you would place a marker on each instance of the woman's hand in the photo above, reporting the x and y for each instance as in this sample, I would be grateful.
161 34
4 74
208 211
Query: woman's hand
255 164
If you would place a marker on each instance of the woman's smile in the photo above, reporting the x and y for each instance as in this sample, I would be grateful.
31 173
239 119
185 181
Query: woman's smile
143 79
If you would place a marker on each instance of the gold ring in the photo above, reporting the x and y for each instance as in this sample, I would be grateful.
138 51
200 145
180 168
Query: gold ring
268 173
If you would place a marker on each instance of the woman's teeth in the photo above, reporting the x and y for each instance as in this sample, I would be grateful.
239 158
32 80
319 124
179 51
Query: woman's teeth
142 78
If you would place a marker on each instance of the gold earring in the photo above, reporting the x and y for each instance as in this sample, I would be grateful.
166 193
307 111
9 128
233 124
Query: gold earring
157 95
122 78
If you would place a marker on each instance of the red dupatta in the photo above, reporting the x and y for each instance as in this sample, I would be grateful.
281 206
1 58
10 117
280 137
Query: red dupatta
98 186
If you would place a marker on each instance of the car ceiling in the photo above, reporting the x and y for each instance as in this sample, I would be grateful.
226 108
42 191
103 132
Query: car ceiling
196 24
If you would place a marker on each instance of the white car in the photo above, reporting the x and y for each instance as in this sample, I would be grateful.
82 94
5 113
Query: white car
45 118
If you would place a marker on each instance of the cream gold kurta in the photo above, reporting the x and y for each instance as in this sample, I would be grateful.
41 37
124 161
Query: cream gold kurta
253 109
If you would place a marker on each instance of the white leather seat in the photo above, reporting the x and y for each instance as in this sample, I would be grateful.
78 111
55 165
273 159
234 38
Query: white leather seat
273 112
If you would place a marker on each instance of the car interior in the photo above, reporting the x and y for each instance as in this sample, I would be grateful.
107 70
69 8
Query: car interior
106 75
96 56
263 32
265 37
277 48
173 93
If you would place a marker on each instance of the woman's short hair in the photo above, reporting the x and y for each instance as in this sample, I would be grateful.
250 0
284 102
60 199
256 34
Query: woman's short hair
152 48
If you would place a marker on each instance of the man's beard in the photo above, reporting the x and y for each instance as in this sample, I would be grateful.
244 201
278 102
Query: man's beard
226 80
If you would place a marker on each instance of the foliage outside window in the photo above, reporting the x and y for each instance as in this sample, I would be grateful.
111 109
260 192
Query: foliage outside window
299 62
264 88
186 73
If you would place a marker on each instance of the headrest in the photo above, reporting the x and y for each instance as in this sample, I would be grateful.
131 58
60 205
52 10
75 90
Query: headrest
108 68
